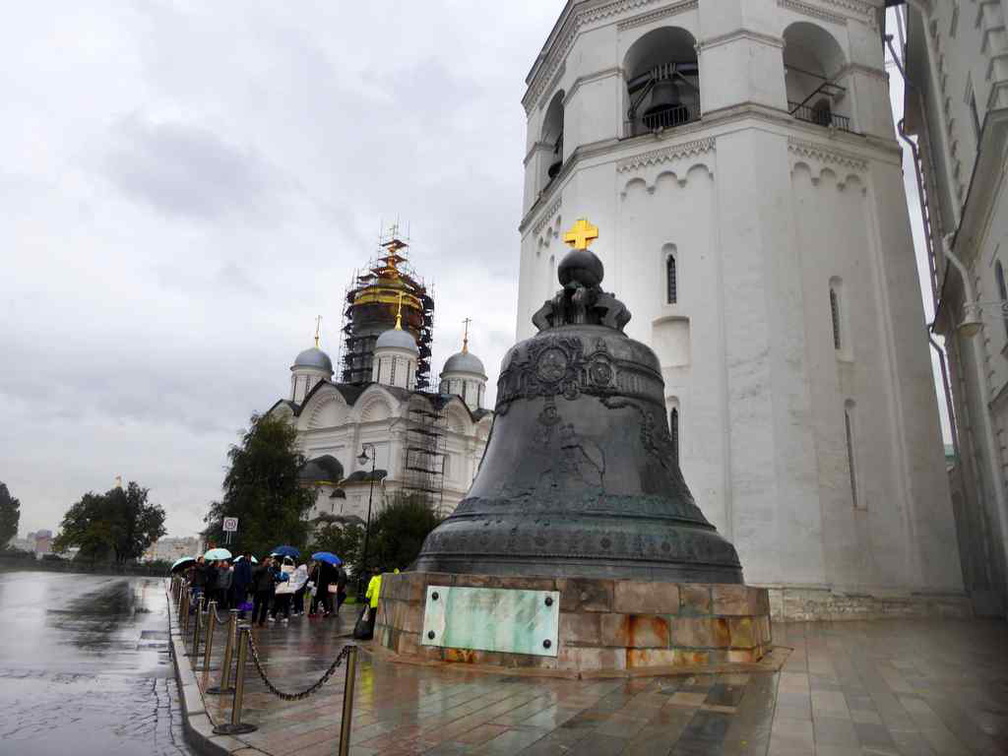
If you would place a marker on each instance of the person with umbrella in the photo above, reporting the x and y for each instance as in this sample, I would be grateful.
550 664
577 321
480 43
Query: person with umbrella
241 579
326 581
264 580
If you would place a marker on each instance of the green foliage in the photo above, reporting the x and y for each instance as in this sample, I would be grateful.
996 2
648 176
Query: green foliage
117 525
261 489
344 539
398 533
10 516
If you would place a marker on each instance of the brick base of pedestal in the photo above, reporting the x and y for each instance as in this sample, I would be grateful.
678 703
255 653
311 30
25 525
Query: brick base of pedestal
605 625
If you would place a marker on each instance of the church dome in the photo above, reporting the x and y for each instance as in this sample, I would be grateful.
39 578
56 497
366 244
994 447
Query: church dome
314 358
396 338
464 362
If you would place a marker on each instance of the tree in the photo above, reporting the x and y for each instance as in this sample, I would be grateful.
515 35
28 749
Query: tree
398 532
261 489
10 516
339 537
119 524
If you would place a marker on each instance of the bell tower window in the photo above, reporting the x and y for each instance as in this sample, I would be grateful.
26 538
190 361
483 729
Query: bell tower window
1002 292
552 146
815 76
671 284
663 81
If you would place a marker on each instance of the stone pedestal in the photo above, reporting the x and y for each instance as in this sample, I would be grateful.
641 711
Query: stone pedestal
605 624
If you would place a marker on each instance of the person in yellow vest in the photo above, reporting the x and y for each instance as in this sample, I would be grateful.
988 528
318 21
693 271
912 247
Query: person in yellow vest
364 629
374 589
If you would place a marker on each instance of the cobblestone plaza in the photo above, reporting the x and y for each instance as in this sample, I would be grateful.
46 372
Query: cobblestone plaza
901 686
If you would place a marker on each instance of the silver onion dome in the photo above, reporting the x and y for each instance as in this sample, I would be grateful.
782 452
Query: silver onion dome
396 338
314 358
464 362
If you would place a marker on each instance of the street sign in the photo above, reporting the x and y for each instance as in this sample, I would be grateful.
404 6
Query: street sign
230 524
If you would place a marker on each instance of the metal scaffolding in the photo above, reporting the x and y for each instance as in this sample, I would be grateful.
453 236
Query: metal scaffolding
371 302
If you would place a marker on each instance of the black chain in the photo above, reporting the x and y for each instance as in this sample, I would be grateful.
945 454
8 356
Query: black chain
343 654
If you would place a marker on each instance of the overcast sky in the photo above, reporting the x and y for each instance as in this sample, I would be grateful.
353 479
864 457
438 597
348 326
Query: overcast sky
186 185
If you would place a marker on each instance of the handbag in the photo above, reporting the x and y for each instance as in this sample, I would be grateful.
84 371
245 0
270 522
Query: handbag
364 629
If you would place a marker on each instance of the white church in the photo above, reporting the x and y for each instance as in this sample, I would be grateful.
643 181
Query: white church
369 441
740 160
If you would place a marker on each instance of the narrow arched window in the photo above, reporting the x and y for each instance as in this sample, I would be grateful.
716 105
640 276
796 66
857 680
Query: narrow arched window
851 457
671 288
1002 292
674 431
834 304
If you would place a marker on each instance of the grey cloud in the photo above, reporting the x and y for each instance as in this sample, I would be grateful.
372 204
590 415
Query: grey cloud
189 171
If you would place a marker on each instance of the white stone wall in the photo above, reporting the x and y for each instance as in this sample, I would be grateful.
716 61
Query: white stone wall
762 212
328 425
957 61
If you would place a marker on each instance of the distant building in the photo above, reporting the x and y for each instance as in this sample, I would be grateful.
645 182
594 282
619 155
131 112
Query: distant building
41 541
170 549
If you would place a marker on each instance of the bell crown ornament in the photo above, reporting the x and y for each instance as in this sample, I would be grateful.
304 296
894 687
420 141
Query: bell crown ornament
580 477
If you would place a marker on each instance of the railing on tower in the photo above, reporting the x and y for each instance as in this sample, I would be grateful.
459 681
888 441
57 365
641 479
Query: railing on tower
819 116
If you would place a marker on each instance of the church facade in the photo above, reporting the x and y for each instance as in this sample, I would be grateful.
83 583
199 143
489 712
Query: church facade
373 440
739 158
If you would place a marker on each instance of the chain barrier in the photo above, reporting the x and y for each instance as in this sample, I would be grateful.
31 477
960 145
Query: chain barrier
220 621
343 654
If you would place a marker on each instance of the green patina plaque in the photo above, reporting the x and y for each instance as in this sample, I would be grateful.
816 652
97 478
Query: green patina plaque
492 619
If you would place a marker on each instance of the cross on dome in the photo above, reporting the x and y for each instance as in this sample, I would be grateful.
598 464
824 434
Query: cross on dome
582 234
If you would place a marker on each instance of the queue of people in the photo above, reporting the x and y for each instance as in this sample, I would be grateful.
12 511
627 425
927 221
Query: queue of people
273 590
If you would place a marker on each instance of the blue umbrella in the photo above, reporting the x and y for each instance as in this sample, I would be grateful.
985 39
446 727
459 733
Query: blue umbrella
217 554
288 551
328 557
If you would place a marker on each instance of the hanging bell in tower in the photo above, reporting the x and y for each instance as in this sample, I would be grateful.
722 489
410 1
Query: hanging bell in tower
666 108
579 477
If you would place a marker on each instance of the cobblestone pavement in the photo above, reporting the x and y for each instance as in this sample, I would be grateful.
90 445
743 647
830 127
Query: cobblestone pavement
886 687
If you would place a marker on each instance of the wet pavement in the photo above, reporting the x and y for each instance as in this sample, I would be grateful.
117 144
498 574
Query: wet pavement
85 667
879 688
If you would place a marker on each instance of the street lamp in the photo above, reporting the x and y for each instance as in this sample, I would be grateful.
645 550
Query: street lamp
363 458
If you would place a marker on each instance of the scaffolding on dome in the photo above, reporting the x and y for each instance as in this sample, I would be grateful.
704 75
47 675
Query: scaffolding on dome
424 452
370 306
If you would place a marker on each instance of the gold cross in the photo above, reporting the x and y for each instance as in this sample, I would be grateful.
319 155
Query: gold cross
581 235
465 335
318 327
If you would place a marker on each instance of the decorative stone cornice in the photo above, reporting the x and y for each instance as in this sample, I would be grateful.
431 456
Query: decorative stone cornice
813 8
731 36
554 82
544 72
666 154
826 155
657 15
587 79
547 216
814 11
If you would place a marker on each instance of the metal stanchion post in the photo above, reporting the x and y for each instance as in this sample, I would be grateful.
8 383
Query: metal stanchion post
225 681
196 626
348 695
184 613
208 641
235 726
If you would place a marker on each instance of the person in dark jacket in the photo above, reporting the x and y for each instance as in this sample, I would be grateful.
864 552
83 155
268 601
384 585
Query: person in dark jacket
241 579
264 580
198 580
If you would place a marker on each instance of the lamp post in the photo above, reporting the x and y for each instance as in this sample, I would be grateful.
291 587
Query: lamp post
363 458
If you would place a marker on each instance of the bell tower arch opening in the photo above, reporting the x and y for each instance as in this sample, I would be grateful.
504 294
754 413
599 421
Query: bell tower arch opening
662 81
552 137
815 76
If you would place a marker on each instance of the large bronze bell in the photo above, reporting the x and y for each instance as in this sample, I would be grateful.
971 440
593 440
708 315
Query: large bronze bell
579 477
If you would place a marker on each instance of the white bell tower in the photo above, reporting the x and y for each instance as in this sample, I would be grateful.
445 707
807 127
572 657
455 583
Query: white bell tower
740 160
